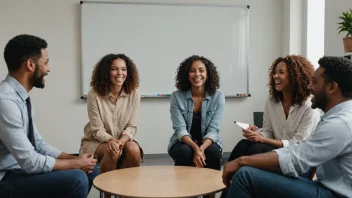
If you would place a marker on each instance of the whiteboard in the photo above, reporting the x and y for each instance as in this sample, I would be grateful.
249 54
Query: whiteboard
158 37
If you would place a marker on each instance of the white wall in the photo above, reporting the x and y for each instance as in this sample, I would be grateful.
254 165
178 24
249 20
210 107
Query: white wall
333 41
292 27
315 30
61 114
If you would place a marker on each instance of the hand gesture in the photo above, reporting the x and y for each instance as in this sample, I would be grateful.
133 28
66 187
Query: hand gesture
113 146
252 134
86 162
230 169
199 158
120 144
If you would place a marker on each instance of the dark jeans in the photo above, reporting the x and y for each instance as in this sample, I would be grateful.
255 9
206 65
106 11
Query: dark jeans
246 148
64 183
252 182
182 154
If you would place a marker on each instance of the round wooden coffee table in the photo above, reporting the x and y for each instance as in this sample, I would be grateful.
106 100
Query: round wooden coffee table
160 181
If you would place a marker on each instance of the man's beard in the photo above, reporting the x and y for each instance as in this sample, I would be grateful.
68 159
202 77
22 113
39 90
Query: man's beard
37 79
320 101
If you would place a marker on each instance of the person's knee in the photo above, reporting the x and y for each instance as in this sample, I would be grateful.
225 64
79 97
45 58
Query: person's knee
259 148
242 175
132 152
186 152
243 142
213 152
111 157
183 155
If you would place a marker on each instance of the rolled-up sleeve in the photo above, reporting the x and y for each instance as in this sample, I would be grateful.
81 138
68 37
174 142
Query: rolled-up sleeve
215 121
14 137
327 142
178 122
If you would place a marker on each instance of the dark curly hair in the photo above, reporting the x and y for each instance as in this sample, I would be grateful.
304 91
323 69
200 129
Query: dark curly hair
339 70
300 71
21 48
212 83
101 75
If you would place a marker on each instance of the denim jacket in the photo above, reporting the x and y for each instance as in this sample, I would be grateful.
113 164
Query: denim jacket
181 109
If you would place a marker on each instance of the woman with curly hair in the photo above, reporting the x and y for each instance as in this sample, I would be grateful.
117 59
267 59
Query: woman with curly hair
196 113
113 105
288 116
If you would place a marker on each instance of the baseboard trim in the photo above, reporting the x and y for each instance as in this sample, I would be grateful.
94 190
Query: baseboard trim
225 156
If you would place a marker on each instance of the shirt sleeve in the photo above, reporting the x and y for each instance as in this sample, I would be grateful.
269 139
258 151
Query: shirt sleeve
267 130
178 122
214 125
131 127
96 124
329 141
14 137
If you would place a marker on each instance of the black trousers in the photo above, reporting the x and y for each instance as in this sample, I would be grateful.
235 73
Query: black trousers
246 148
182 154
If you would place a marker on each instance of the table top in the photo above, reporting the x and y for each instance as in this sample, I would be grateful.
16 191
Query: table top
160 181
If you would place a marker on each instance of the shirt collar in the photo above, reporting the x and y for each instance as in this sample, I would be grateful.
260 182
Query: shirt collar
189 95
21 91
123 93
343 105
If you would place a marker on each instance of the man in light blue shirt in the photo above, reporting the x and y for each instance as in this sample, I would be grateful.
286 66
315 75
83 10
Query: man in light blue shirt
28 166
329 150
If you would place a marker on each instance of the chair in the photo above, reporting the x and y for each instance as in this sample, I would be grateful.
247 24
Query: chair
258 119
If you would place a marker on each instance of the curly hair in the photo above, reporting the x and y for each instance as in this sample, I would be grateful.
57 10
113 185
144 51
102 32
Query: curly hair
21 48
212 83
300 71
101 75
339 70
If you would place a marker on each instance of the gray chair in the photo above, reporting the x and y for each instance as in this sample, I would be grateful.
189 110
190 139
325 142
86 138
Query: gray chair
258 119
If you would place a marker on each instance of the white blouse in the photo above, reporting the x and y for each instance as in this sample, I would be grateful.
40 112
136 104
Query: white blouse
298 126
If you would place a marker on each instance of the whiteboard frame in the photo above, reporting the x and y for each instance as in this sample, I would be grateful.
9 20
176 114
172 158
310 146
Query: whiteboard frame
84 96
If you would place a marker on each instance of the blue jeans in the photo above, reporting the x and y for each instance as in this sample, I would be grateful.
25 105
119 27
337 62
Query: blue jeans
64 183
253 182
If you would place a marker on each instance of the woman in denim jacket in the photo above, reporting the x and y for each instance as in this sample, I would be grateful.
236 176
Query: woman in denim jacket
196 112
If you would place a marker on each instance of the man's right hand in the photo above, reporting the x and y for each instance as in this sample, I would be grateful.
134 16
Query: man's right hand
86 162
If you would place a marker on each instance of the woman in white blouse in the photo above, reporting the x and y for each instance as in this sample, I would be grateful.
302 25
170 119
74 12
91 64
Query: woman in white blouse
288 116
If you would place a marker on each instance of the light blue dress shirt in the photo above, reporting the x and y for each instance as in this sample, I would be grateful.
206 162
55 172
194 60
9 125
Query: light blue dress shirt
16 151
329 150
181 109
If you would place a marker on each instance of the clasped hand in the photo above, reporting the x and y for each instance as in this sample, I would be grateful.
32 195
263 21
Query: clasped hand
252 134
86 162
199 158
115 146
